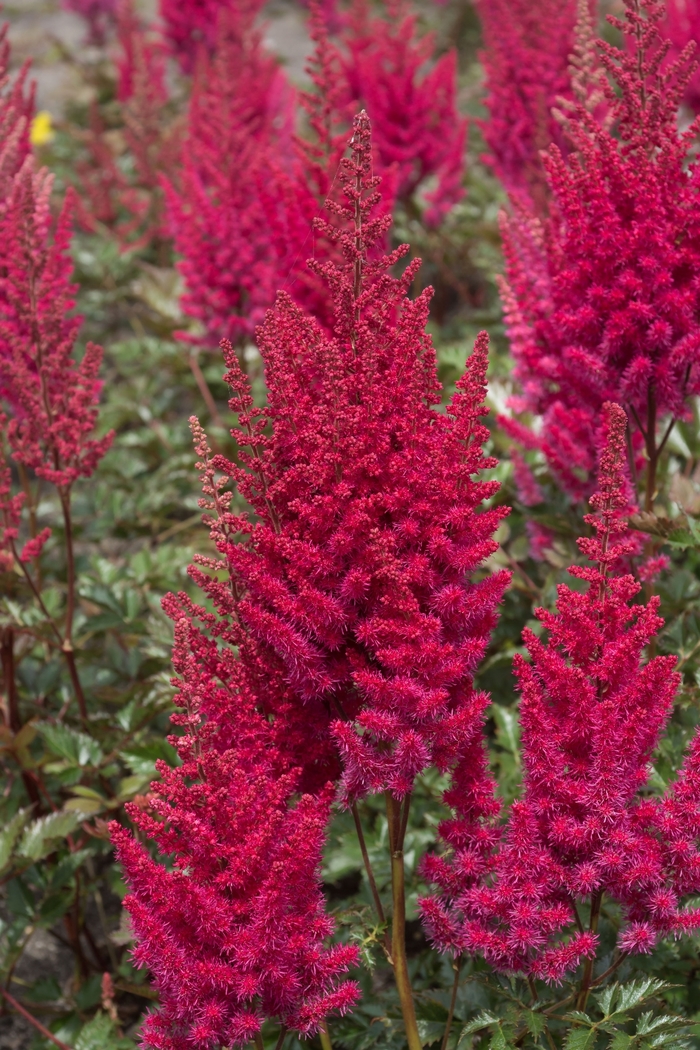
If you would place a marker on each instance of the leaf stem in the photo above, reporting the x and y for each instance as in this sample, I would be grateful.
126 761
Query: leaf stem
456 965
397 821
33 1020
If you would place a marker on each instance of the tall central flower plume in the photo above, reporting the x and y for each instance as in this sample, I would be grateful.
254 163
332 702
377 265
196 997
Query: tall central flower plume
350 595
585 829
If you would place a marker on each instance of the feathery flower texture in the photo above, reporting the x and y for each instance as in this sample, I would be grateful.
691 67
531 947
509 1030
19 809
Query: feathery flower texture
592 713
235 933
352 589
527 71
602 300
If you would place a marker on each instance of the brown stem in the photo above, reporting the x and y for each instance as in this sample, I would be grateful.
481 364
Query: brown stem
258 1041
282 1036
453 1002
596 902
652 453
33 1020
8 674
368 867
205 391
67 646
398 924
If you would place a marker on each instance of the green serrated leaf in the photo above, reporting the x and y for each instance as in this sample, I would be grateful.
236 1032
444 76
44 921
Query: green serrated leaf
649 1023
10 834
498 1040
535 1022
636 992
483 1020
76 747
580 1039
620 1041
99 1034
38 839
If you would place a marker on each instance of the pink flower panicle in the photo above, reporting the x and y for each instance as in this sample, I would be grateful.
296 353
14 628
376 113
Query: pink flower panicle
681 26
361 625
241 111
191 26
53 398
602 299
592 714
16 112
527 73
234 930
415 121
100 16
131 204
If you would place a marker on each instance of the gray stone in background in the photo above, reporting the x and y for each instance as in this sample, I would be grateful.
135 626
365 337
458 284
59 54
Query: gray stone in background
42 32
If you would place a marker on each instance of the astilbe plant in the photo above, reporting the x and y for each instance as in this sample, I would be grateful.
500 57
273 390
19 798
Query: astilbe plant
241 109
585 828
50 394
681 26
120 185
602 299
527 73
100 16
411 98
191 26
16 112
350 595
234 931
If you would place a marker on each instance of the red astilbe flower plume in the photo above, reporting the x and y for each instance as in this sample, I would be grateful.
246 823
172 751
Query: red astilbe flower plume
191 26
681 26
353 586
412 101
527 72
16 112
234 929
100 16
52 396
592 714
602 300
128 198
241 110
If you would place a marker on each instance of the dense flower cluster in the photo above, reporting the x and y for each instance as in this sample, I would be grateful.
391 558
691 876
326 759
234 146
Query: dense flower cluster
234 932
527 72
681 26
241 111
243 216
191 26
602 299
352 588
592 713
415 122
129 200
53 397
16 112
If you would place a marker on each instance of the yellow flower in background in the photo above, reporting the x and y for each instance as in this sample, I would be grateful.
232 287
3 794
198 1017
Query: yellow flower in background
41 130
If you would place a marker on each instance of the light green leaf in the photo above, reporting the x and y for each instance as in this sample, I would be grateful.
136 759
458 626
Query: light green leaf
10 834
77 748
483 1020
620 1041
99 1034
635 992
498 1040
38 839
507 728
